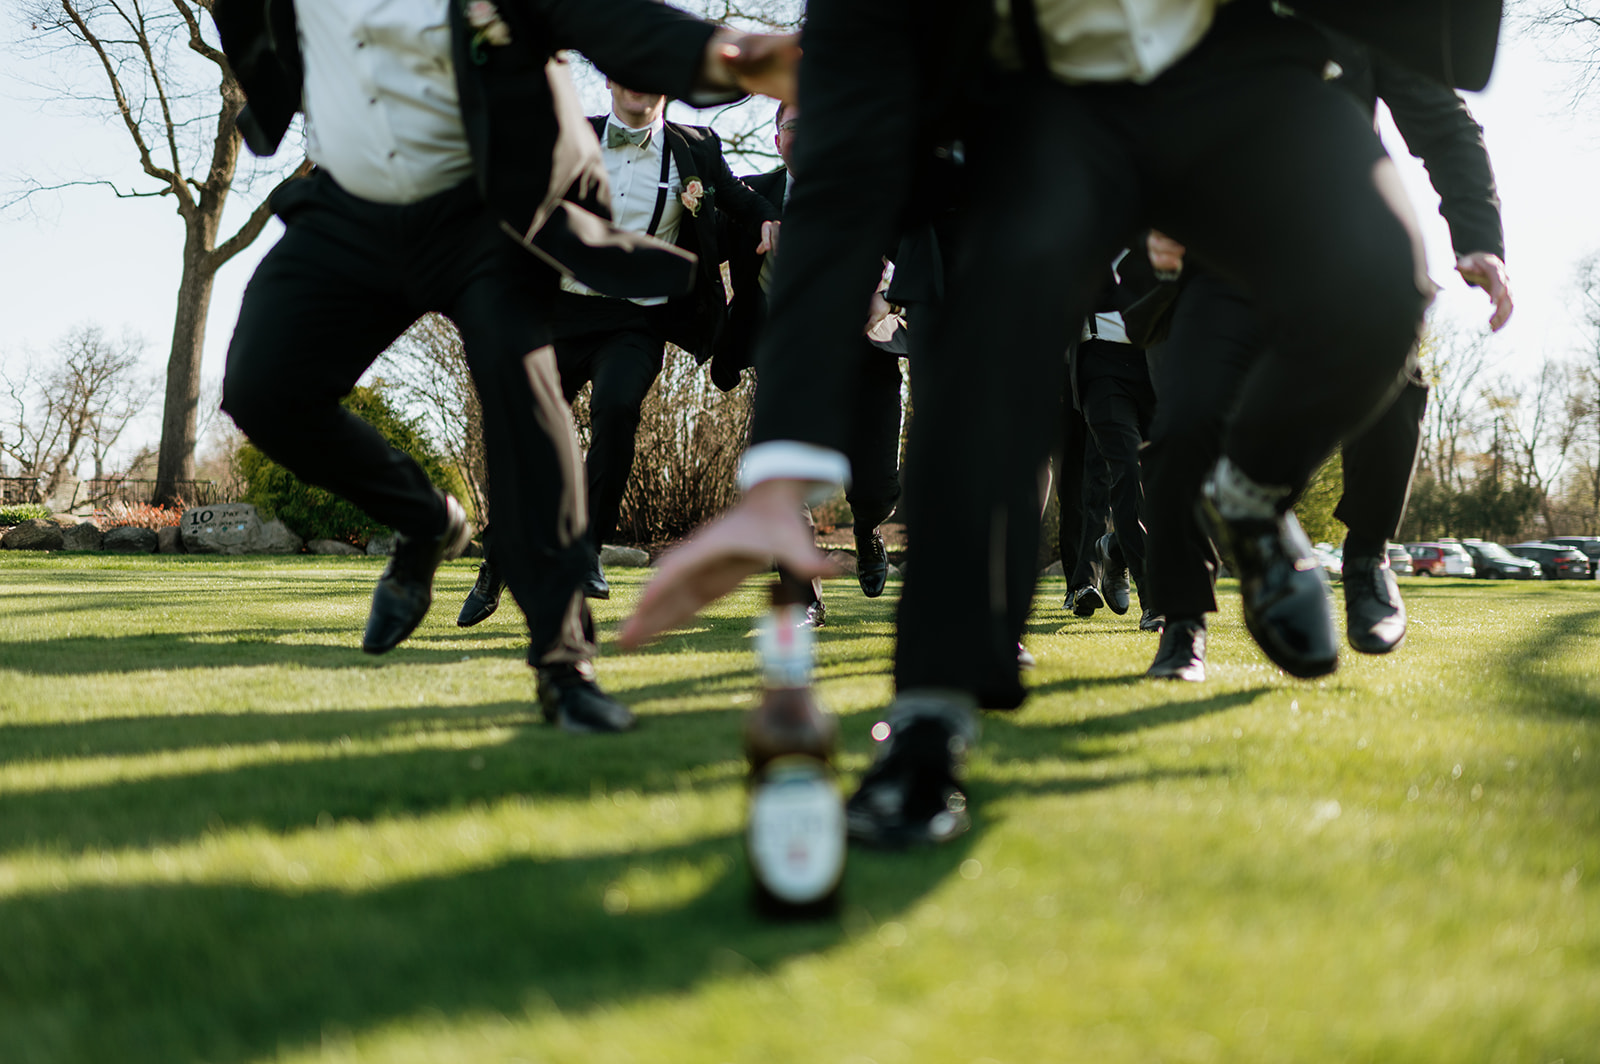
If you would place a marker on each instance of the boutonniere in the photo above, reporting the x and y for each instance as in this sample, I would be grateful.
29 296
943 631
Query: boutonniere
487 26
693 193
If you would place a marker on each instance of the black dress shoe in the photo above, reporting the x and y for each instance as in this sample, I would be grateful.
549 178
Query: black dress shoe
1375 617
1114 577
594 583
1181 654
405 590
1150 620
911 794
1084 601
571 700
483 599
1284 591
872 564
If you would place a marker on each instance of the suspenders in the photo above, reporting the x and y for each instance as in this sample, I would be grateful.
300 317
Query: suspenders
661 188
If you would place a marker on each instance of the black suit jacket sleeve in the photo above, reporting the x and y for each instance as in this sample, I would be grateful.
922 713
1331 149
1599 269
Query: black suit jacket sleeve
1440 131
733 197
641 44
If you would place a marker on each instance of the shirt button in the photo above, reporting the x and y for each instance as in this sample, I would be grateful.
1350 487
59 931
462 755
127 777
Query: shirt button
372 100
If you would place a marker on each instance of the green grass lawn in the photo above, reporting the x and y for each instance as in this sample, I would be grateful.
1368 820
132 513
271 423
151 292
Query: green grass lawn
227 835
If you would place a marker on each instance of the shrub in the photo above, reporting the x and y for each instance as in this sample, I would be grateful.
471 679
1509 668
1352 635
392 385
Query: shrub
687 453
27 511
122 514
316 513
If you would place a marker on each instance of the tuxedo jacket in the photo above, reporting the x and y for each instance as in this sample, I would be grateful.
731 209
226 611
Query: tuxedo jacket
1439 130
536 161
1451 41
696 320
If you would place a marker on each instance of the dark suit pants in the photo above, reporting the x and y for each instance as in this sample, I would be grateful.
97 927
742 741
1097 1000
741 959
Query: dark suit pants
1378 465
1242 152
874 438
1114 387
1196 374
348 277
1083 494
617 345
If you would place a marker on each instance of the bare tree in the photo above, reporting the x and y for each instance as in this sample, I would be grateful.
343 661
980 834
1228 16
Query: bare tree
171 90
1573 29
1452 363
427 369
77 406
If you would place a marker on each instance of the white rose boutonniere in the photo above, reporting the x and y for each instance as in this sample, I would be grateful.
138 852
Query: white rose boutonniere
487 25
693 192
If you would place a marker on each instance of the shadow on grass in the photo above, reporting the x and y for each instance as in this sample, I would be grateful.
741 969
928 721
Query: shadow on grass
237 973
1570 694
226 648
284 792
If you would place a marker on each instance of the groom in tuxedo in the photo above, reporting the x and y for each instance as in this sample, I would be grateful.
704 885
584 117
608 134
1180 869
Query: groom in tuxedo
669 182
456 174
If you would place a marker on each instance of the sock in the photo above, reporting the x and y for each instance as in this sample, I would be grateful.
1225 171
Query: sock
1238 498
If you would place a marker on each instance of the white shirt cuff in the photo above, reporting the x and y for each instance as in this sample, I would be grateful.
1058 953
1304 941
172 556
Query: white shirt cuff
792 460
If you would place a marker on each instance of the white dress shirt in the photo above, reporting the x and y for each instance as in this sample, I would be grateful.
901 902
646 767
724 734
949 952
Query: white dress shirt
380 97
1110 40
635 172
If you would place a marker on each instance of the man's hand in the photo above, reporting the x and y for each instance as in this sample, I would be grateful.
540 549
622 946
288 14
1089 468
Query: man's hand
758 63
764 526
1483 270
1166 255
877 310
769 238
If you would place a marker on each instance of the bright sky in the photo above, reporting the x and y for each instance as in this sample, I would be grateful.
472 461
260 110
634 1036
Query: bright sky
82 256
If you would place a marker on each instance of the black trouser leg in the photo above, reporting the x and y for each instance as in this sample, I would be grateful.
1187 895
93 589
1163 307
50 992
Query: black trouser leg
322 305
874 451
1378 464
622 365
347 276
535 471
1196 374
1117 408
988 393
1290 193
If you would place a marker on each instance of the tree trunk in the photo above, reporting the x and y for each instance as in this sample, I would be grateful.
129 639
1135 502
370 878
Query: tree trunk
179 416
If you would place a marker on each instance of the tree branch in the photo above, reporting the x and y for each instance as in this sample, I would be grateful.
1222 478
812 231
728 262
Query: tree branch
255 223
174 181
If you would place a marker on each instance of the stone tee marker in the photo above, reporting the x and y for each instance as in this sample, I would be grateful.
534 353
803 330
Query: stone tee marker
234 528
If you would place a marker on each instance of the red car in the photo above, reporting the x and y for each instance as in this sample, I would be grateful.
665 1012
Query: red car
1440 559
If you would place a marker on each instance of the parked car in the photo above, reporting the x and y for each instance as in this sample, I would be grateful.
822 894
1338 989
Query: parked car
1558 562
1589 545
1400 561
1440 559
1331 560
1494 562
